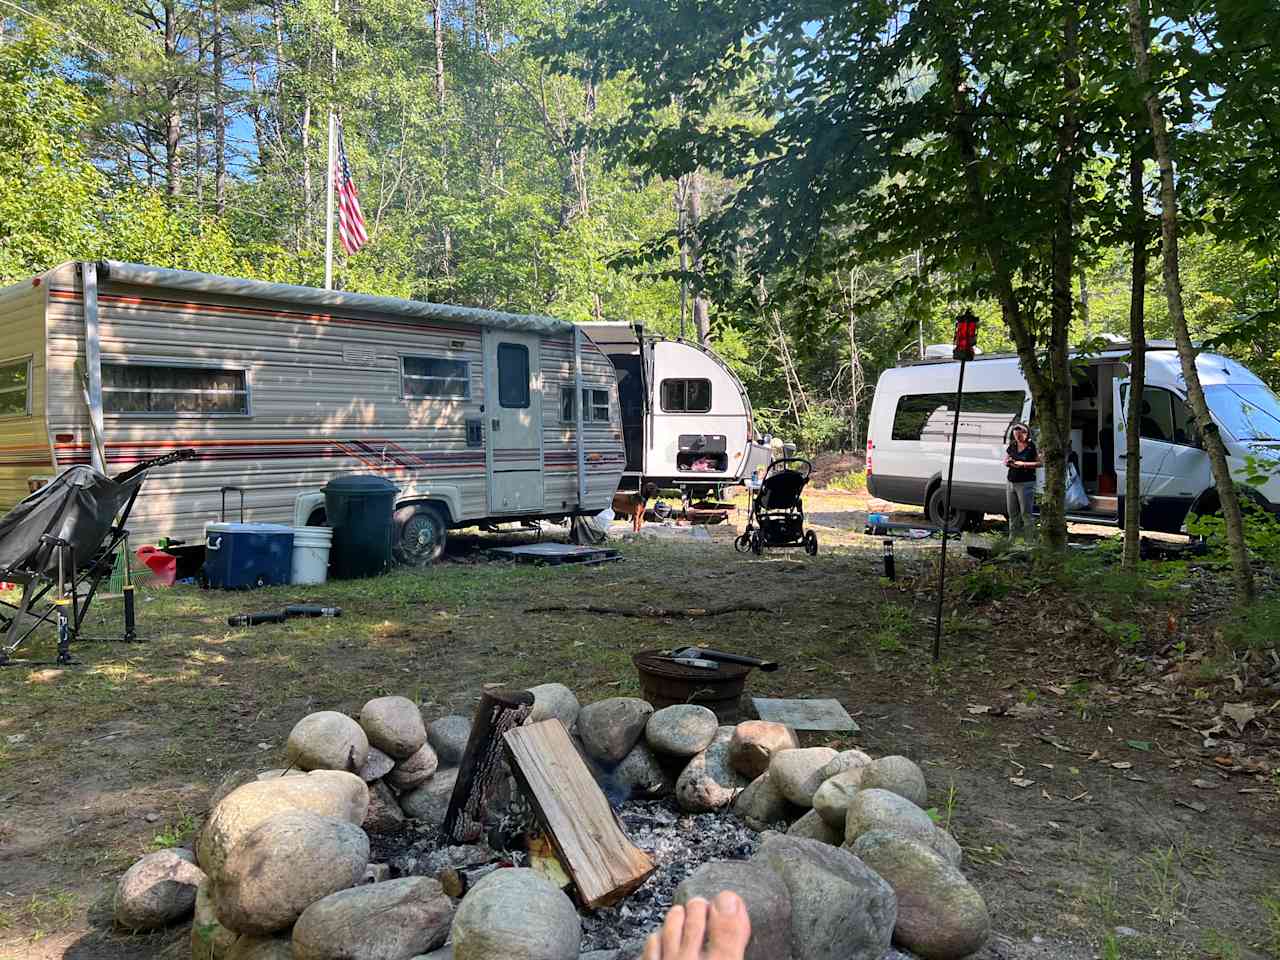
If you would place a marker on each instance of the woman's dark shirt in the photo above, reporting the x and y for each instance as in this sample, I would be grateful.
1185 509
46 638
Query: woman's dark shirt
1023 474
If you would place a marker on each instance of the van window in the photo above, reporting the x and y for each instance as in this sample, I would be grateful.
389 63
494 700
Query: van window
1165 416
686 396
435 377
136 388
984 415
15 388
513 375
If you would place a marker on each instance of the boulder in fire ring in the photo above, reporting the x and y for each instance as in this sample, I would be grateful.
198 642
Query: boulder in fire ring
708 782
327 740
157 890
394 725
515 914
681 730
766 896
610 728
798 773
377 921
756 741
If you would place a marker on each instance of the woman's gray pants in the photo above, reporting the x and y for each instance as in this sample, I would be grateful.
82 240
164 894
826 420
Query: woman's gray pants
1020 498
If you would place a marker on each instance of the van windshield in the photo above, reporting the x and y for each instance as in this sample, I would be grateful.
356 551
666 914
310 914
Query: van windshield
1250 411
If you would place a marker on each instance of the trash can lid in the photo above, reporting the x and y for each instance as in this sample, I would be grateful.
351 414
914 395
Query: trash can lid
229 527
359 483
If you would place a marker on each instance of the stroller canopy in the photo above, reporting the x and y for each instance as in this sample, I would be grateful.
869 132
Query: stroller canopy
79 506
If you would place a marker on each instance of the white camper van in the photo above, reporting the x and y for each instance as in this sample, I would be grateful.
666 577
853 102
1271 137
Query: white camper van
913 411
477 416
686 418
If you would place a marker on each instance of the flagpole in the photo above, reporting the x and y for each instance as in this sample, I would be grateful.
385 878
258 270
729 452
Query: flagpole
333 151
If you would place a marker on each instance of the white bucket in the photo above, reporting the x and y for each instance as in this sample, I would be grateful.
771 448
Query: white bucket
311 554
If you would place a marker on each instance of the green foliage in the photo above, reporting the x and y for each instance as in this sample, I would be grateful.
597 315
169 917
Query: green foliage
1254 627
852 480
1261 530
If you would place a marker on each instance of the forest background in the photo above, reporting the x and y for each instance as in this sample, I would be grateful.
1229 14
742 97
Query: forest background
496 169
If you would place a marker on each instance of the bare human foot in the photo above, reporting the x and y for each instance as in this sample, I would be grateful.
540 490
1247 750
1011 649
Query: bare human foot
724 925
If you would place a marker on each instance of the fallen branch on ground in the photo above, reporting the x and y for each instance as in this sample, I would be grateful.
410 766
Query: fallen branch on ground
660 612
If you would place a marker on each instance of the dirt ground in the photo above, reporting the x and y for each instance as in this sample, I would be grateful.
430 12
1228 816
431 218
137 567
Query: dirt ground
1105 808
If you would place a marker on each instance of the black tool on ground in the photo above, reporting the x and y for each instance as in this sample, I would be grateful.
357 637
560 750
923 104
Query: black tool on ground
59 543
889 571
253 619
702 653
776 515
311 610
280 616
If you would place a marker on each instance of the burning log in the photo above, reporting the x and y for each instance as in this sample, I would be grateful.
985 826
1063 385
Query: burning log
481 767
575 814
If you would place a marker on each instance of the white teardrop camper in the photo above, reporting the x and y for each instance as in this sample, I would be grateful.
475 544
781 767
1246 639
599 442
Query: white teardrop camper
478 416
686 417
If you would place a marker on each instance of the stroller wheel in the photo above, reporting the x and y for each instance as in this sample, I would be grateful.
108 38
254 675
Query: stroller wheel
757 543
743 543
811 543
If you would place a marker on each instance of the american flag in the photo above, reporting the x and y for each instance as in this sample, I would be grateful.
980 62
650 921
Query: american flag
351 227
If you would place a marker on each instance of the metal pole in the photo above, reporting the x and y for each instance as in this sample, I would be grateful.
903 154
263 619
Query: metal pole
328 196
946 522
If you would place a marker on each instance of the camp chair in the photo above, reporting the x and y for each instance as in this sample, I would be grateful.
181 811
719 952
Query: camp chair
58 544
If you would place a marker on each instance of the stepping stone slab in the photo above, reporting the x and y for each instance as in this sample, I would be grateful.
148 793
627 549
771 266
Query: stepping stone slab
681 730
755 742
767 899
377 921
940 914
798 773
285 864
158 890
610 728
327 740
840 908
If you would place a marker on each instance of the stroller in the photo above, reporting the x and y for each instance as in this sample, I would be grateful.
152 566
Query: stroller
776 514
62 540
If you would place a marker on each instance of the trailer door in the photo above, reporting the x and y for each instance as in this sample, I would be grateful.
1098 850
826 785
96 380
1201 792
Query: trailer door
513 406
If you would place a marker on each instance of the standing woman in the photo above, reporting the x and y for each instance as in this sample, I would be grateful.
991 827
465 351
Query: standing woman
1022 459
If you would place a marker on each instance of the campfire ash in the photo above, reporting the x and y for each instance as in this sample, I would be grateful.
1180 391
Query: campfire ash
677 842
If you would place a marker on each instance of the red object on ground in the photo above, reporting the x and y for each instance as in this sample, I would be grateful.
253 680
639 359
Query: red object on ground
163 565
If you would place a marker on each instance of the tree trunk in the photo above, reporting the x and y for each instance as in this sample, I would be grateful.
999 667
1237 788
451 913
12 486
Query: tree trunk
701 306
446 235
308 213
1055 428
1228 498
219 116
1084 301
1138 366
173 115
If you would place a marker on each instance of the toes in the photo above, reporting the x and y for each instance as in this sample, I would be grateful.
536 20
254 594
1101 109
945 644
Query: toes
652 948
695 929
672 932
728 927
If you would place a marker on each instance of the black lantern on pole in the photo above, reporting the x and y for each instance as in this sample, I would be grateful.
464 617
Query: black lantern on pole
966 344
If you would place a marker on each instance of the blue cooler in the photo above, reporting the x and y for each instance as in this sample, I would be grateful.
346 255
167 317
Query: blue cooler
242 555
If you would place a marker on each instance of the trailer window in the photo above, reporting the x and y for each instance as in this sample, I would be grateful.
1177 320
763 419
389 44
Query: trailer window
152 388
599 405
984 415
686 396
513 375
15 388
435 377
566 405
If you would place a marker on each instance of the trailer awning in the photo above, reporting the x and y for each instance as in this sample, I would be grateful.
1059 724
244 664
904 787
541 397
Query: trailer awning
115 271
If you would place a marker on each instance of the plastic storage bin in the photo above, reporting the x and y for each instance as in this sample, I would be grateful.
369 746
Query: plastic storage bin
359 508
242 555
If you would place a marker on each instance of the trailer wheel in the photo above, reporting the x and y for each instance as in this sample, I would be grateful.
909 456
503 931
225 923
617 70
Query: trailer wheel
421 532
743 543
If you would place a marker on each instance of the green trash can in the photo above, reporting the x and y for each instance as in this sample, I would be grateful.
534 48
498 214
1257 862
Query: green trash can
360 510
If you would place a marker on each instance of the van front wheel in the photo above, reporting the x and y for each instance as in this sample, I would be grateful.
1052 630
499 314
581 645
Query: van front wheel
420 533
936 507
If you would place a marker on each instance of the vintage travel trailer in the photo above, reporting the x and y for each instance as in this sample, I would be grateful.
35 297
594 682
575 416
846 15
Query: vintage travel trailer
478 416
686 417
909 438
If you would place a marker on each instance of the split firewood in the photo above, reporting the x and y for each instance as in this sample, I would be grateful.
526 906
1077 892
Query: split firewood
481 767
575 814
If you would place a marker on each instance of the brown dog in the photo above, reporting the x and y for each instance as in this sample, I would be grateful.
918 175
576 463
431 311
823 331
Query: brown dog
633 504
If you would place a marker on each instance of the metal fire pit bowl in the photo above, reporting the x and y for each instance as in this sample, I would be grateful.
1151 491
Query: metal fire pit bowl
665 684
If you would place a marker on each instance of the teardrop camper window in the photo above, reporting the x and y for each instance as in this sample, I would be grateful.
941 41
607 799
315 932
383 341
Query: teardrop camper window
686 396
